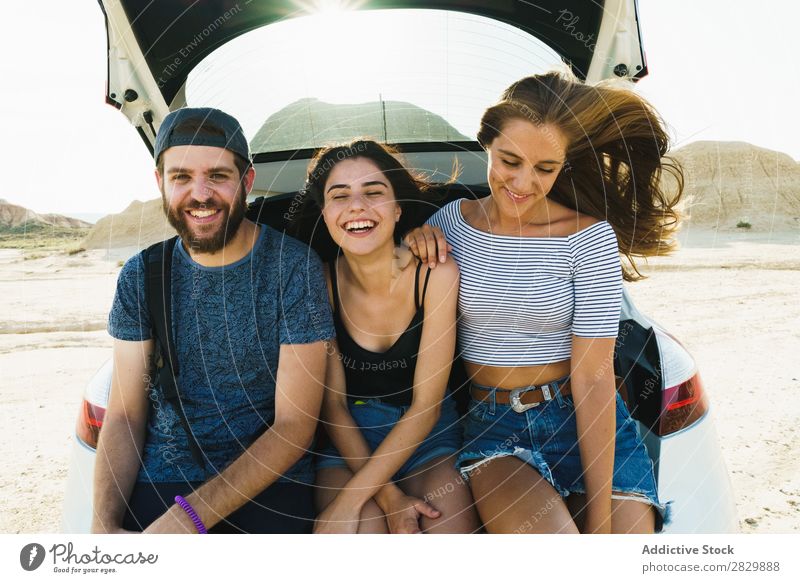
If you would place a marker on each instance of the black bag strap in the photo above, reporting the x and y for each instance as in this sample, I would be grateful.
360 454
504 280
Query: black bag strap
158 294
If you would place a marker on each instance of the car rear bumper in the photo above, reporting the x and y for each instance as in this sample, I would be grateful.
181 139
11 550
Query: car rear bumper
691 472
77 514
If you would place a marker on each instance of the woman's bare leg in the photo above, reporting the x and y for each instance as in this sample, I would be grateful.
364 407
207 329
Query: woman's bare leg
627 516
440 485
512 497
329 483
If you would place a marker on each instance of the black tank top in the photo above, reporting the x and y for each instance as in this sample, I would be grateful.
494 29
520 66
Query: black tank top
388 376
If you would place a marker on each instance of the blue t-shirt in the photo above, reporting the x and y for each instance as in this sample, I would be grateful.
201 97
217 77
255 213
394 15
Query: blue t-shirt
229 323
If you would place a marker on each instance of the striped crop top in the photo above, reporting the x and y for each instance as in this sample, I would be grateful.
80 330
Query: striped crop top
522 298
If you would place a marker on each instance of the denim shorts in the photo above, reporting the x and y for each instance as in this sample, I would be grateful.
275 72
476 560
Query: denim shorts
376 419
546 437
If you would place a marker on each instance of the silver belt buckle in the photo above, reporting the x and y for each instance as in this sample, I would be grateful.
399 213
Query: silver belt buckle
516 402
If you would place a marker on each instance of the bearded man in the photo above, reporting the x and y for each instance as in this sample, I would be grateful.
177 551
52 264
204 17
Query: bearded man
250 322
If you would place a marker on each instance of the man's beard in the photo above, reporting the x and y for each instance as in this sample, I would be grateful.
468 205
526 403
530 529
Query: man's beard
234 215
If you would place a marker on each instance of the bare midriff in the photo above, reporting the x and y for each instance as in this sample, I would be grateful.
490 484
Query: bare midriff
513 377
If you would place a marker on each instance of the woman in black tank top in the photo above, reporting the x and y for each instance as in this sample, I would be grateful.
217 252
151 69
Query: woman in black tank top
394 432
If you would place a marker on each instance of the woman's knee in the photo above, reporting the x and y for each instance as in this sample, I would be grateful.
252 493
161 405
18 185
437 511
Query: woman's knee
512 497
630 515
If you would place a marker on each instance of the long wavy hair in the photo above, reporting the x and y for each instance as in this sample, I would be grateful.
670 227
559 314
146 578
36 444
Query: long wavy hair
615 157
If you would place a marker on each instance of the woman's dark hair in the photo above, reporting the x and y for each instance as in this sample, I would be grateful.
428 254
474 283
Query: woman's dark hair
616 147
409 188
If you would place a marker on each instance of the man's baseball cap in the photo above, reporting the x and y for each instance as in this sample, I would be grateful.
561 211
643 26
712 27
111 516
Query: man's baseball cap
229 134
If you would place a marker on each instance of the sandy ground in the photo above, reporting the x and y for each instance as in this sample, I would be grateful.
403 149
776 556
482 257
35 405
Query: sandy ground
730 297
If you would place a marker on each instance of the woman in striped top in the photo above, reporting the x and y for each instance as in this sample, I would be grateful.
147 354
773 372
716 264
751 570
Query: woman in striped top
574 173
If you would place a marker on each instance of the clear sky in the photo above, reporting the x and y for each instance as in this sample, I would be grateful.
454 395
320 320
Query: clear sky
719 70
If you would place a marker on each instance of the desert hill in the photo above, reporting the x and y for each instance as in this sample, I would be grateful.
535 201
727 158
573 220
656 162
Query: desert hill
727 183
18 218
139 225
310 121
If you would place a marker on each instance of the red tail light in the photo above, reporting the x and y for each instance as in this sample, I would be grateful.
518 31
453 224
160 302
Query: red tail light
682 405
89 423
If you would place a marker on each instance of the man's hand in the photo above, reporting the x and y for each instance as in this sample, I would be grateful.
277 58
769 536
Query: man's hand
173 521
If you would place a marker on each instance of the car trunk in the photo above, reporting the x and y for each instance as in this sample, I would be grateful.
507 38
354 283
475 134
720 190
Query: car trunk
154 46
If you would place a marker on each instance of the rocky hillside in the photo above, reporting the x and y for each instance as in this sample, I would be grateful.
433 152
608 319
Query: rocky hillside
727 183
139 225
730 183
310 121
15 218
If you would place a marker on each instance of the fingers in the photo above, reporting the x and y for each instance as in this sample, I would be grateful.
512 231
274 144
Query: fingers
433 239
409 526
404 525
441 244
418 245
429 244
427 510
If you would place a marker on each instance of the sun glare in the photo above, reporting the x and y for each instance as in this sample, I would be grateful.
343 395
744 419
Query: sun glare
328 7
